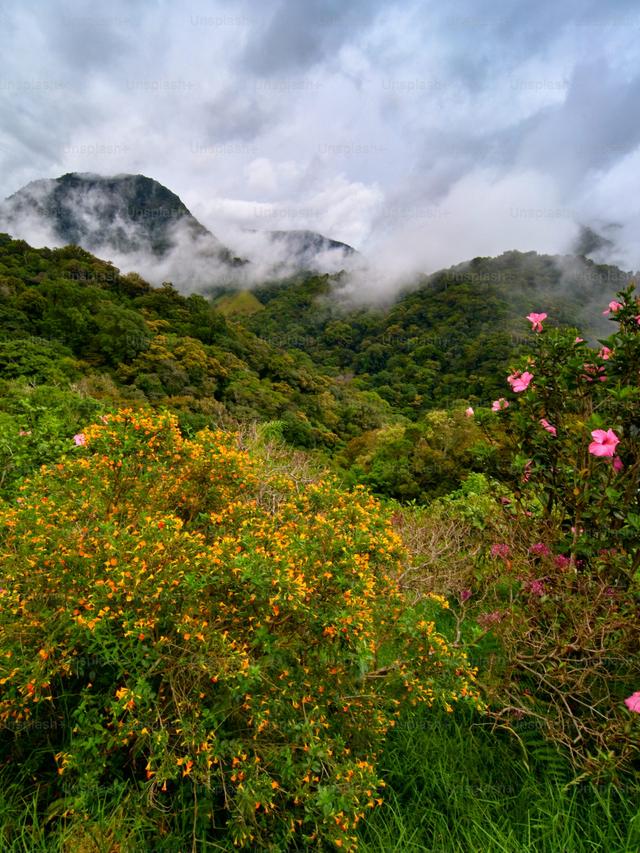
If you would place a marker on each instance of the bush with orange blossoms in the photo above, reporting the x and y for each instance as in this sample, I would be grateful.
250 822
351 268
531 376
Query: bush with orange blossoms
179 621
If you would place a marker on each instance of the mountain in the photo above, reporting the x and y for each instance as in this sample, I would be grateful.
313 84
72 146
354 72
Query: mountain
122 214
142 226
308 250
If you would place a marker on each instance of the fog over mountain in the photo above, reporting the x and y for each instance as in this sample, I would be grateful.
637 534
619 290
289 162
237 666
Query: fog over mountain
142 226
418 133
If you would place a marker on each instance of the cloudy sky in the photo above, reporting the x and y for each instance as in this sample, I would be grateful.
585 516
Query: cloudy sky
423 133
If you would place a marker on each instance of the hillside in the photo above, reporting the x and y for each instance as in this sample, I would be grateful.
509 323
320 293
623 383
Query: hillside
450 336
365 384
200 595
68 317
206 637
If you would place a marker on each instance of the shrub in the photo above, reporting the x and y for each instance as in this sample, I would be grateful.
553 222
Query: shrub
36 427
226 641
566 593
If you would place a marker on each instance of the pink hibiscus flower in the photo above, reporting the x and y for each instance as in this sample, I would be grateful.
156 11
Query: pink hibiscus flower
605 353
633 702
536 321
80 439
617 464
469 412
604 442
613 307
520 381
592 372
549 427
499 405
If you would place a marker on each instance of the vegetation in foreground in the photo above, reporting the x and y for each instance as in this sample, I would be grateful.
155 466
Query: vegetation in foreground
452 784
205 645
208 628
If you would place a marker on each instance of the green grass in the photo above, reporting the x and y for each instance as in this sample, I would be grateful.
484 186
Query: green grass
453 785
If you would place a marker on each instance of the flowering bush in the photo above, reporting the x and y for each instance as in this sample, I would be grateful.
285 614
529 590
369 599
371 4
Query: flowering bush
568 601
35 425
584 463
177 619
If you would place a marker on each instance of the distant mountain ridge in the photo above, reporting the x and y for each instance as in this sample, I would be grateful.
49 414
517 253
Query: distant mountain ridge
305 246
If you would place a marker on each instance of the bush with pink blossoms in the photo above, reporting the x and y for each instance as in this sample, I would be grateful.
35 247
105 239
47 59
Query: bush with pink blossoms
569 595
575 442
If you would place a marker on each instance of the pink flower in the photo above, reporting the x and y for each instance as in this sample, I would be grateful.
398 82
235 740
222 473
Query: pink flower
500 550
562 562
604 442
605 353
499 405
549 428
633 702
540 549
606 552
487 619
536 588
536 321
465 595
579 341
520 381
617 464
469 412
637 319
80 439
613 307
592 372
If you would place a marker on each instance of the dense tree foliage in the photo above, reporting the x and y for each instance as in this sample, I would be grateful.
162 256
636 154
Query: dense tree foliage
449 337
66 316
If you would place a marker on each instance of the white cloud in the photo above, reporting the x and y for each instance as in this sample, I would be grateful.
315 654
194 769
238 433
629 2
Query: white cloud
410 129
